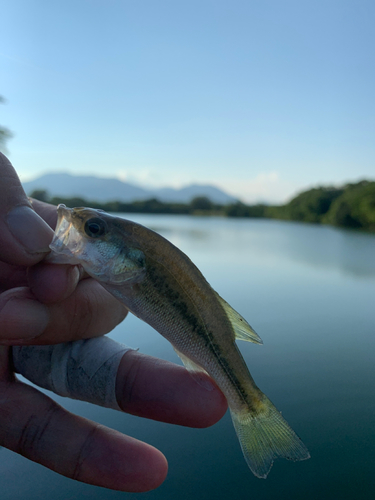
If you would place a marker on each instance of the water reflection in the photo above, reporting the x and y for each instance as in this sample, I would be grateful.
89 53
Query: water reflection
308 291
348 251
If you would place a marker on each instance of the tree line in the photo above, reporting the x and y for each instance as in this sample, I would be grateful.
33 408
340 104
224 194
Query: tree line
352 205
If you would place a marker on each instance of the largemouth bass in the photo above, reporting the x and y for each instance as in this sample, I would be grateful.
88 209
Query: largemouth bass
159 284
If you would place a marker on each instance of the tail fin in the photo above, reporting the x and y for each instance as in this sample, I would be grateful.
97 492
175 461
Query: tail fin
264 435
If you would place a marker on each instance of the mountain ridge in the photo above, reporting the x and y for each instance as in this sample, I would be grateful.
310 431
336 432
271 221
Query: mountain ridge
109 189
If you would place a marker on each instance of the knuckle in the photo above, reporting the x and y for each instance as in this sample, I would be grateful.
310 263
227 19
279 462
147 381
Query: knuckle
35 433
82 316
85 452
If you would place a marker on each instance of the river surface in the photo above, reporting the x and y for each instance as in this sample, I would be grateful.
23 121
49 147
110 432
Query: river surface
309 292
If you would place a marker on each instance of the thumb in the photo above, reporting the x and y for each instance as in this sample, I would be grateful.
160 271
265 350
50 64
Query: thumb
24 235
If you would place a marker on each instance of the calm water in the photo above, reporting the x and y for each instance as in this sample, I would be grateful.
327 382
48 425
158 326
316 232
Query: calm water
309 292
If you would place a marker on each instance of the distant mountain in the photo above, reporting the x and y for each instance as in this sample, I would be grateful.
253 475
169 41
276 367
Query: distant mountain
186 194
106 189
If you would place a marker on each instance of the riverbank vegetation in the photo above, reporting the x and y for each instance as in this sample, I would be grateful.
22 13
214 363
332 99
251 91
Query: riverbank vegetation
352 205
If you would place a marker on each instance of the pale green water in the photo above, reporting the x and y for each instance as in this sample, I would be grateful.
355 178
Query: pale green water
309 293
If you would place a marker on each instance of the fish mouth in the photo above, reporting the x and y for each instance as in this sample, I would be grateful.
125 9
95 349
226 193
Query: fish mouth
65 241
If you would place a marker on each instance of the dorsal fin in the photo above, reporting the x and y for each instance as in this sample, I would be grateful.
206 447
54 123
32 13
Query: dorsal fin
242 329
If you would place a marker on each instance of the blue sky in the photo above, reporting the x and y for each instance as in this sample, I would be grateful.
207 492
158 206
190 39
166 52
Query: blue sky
262 98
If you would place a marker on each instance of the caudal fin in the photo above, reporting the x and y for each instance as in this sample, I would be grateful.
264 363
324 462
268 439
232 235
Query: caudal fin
264 435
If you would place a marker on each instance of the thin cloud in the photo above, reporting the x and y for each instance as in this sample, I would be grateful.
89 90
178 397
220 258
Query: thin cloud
267 187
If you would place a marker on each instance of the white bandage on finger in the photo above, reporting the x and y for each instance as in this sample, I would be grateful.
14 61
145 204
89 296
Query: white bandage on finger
84 369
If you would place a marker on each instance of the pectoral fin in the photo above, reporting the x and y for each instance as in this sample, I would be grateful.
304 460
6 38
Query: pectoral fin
195 371
242 329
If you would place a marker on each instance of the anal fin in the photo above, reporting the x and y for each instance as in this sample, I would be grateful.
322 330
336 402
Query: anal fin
198 373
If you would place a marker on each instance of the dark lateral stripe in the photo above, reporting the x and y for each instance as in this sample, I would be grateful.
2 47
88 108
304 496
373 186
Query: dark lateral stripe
178 302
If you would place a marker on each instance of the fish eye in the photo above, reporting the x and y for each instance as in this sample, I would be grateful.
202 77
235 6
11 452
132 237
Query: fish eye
95 227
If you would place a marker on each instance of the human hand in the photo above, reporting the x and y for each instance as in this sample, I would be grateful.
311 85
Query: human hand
41 304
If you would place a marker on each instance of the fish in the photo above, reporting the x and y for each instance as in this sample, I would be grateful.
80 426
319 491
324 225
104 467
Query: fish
159 284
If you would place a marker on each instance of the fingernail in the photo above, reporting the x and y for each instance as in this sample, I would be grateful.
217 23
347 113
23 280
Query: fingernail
29 229
73 275
23 319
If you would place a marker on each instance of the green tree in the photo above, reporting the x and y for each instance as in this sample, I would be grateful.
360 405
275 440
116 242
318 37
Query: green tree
355 207
5 133
239 209
311 205
40 194
201 203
